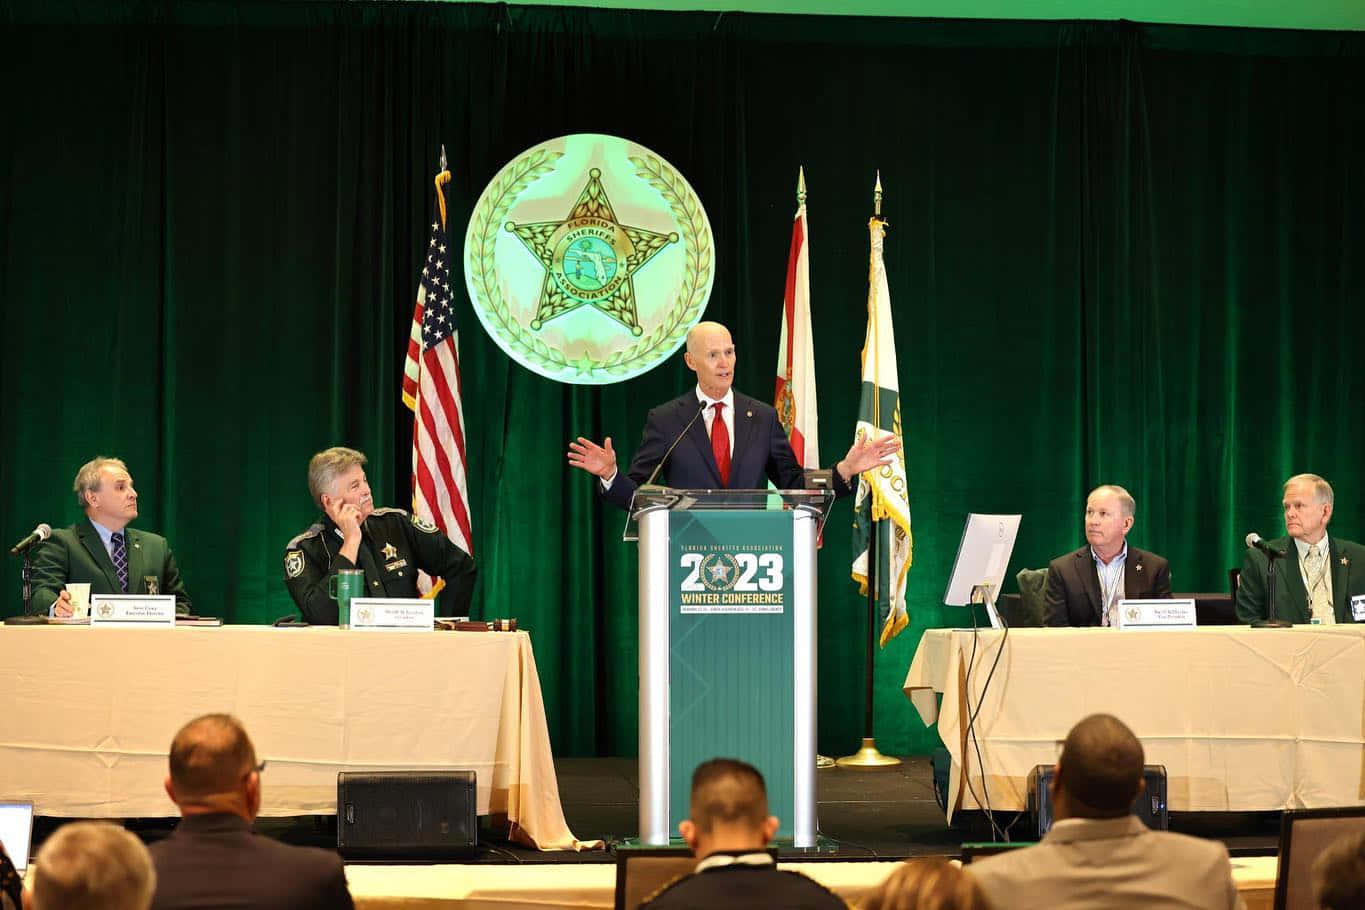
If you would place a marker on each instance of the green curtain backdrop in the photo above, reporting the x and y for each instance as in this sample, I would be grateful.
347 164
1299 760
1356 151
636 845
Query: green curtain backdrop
1117 253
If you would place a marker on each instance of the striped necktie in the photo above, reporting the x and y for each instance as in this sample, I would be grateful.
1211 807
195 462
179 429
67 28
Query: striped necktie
1315 572
120 556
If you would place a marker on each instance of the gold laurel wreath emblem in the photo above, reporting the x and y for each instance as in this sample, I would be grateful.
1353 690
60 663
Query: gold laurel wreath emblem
490 216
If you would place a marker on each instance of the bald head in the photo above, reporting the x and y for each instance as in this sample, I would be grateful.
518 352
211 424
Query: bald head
211 760
702 332
711 355
1100 771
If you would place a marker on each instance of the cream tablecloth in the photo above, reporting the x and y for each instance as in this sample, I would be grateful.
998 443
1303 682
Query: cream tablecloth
87 715
1243 719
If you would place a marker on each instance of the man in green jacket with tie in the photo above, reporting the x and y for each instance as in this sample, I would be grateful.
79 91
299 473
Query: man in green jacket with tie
102 549
1321 579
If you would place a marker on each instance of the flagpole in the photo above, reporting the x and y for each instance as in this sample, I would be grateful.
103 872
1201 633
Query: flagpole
869 757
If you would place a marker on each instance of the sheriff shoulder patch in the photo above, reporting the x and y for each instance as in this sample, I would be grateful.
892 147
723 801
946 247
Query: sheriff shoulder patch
293 563
423 525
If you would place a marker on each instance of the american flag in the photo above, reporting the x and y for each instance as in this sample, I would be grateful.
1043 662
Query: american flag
431 390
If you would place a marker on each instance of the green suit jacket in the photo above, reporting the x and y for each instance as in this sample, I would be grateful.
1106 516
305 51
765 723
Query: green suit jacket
1291 597
77 554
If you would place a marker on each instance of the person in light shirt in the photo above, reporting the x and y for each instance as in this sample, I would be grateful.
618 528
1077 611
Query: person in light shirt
1085 586
1321 580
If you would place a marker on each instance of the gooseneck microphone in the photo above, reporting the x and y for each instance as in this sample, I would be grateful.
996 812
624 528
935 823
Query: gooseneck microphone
701 409
1271 621
39 534
1254 541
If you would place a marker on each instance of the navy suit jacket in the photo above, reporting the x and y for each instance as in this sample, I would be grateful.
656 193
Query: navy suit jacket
761 452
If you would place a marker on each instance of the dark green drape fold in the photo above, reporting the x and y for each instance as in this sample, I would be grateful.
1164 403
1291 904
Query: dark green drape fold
1117 253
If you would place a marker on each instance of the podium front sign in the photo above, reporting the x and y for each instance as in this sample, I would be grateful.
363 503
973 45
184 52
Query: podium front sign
730 655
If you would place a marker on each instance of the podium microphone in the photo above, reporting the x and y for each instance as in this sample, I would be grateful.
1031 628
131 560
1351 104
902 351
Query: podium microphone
1254 541
701 409
39 534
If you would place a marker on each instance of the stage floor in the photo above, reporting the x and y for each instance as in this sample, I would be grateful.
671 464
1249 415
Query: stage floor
865 815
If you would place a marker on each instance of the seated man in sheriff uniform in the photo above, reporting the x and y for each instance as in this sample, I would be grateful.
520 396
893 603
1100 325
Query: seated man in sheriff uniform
390 545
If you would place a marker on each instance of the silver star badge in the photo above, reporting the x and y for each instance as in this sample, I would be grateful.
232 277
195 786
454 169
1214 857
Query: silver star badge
1137 568
390 551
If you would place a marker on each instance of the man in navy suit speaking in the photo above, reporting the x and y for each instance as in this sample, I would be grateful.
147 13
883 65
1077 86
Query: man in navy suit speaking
731 441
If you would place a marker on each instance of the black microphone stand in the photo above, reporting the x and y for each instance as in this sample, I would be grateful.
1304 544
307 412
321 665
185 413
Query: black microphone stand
1271 622
27 618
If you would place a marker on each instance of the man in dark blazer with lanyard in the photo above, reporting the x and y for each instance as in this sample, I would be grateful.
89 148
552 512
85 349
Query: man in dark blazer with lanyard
1321 580
1085 586
731 441
102 549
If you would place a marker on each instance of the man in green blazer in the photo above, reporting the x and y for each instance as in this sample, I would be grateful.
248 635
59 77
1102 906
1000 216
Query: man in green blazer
102 549
1320 579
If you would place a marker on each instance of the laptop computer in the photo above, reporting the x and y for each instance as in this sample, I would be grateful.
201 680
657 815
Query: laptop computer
16 832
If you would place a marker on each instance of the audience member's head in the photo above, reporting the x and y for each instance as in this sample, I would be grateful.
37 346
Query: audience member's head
213 768
1339 874
1099 774
92 866
729 809
932 883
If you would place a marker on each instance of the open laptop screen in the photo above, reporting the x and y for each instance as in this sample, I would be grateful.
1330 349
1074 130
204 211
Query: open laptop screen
16 832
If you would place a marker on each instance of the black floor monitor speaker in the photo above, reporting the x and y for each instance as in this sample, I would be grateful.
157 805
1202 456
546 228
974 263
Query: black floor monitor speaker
1150 805
407 815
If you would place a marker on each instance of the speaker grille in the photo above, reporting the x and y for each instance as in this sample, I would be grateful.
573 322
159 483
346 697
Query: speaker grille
410 815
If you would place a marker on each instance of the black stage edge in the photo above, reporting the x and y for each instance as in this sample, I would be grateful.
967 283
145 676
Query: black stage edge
868 815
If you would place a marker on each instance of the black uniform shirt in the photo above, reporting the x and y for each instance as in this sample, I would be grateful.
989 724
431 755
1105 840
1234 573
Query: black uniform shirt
394 546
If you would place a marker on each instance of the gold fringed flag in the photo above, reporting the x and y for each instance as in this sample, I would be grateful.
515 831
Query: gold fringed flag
883 496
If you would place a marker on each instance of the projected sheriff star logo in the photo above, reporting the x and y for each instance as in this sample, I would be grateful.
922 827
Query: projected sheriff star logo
588 258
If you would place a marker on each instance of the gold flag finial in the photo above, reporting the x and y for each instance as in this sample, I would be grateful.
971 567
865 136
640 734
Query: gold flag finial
442 179
800 186
877 197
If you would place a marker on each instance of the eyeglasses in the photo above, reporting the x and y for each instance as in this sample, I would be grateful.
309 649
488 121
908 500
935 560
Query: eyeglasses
257 768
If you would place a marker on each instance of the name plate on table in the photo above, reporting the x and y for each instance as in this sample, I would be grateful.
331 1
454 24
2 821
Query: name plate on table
151 611
1156 614
393 614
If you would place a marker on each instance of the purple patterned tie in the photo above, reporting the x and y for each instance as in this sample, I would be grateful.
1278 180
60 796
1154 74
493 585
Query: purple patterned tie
120 555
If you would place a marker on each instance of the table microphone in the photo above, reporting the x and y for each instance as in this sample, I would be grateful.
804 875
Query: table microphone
1254 540
38 535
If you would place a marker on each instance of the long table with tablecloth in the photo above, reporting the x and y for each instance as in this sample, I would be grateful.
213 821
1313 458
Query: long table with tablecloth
87 715
1242 719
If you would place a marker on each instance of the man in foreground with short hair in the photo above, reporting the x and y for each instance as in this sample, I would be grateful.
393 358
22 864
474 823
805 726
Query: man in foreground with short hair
212 859
390 545
1084 587
91 866
1098 854
102 550
728 828
1321 580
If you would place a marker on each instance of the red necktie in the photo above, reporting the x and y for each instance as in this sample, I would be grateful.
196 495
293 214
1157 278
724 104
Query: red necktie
720 444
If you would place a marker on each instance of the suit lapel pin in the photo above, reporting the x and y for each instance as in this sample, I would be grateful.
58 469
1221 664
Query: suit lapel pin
137 546
1137 568
748 413
1345 561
